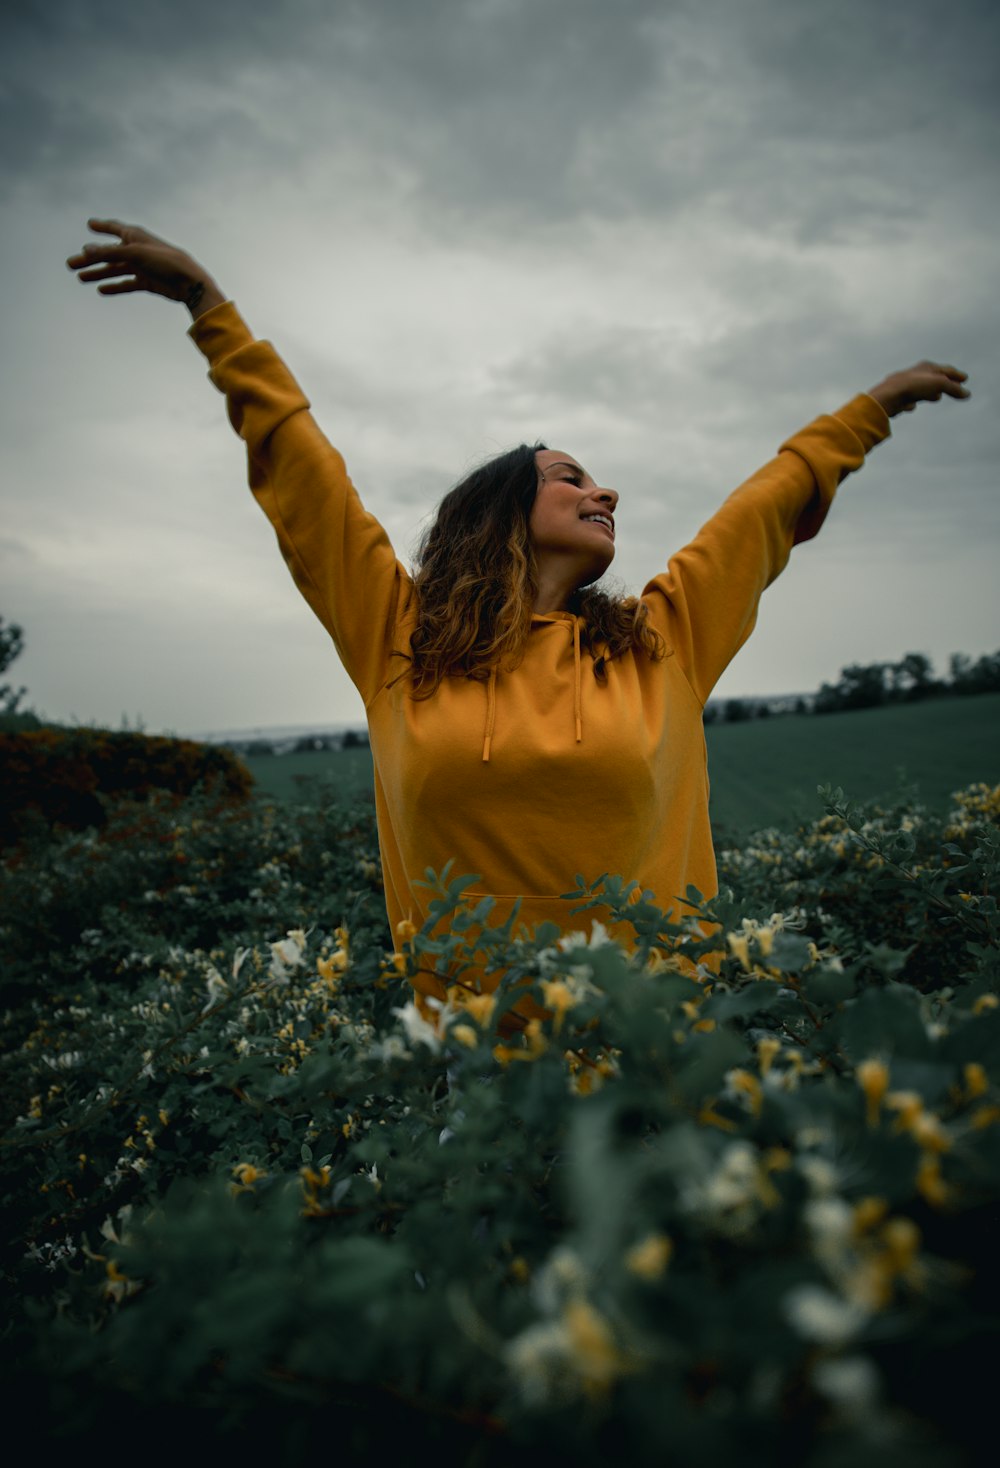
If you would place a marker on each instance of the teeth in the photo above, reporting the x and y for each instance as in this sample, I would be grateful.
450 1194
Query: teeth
601 520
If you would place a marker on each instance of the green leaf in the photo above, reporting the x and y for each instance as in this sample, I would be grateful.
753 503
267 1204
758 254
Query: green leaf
884 1022
826 987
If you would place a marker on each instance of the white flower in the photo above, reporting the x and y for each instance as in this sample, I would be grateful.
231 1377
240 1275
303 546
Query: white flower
819 1174
599 937
821 1316
419 1031
850 1383
286 956
391 1048
68 1060
830 1221
108 1231
729 1198
216 987
537 1358
563 1276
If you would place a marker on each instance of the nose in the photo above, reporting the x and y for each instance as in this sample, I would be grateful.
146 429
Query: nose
607 497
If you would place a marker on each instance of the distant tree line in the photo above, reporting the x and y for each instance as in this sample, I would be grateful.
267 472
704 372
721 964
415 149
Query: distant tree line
871 685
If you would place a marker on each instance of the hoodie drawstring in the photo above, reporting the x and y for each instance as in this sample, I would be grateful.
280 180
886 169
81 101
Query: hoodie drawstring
491 713
577 689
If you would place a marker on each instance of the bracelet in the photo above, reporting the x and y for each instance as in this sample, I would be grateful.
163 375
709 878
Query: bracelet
193 298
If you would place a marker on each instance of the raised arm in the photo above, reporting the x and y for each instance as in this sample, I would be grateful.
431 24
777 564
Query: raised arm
338 554
707 599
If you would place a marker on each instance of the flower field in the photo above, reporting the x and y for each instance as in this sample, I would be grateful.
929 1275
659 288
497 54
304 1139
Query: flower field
734 1199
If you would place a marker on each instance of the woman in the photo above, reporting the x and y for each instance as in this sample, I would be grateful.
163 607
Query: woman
521 722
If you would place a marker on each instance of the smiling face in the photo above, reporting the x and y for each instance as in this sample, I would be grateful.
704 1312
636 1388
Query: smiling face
571 522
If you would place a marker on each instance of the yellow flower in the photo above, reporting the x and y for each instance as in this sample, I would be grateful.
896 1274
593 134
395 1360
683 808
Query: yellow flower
768 1049
976 1083
873 1078
118 1285
559 997
909 1105
777 1159
650 1258
246 1175
480 1006
902 1242
930 1184
537 1044
708 1116
742 1081
739 947
465 1035
868 1213
405 931
519 1269
592 1349
929 1133
985 1002
330 969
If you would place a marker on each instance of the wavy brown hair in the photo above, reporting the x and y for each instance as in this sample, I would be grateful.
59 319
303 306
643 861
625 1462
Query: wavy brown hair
476 582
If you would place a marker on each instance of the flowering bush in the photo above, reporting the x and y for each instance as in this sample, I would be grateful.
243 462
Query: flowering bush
61 775
731 1198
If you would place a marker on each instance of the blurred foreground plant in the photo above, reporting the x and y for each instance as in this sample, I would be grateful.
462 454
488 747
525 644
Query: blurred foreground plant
731 1196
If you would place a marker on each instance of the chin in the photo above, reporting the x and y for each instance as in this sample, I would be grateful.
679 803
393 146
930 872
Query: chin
594 577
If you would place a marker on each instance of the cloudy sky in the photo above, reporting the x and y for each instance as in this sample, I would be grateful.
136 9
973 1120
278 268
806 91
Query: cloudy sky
661 236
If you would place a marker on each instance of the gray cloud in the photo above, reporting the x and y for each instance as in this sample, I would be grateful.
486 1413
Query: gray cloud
815 121
659 235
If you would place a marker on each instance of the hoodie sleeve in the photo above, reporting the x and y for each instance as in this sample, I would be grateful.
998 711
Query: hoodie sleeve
339 555
708 596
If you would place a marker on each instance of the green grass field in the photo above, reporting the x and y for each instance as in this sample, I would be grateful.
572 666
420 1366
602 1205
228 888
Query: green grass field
765 772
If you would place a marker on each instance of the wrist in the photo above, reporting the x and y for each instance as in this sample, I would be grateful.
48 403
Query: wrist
885 400
201 296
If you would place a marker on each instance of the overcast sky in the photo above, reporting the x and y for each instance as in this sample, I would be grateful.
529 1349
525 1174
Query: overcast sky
661 236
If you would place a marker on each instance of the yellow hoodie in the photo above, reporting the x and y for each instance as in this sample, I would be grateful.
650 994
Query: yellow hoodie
541 772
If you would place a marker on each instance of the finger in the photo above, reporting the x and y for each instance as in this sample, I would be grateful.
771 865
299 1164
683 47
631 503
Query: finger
945 369
93 255
108 226
120 287
104 272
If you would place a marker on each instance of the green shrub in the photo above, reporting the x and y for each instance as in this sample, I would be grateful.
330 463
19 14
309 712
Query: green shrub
733 1200
63 776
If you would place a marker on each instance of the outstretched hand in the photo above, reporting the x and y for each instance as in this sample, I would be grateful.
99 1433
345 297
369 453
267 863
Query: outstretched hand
140 261
926 382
